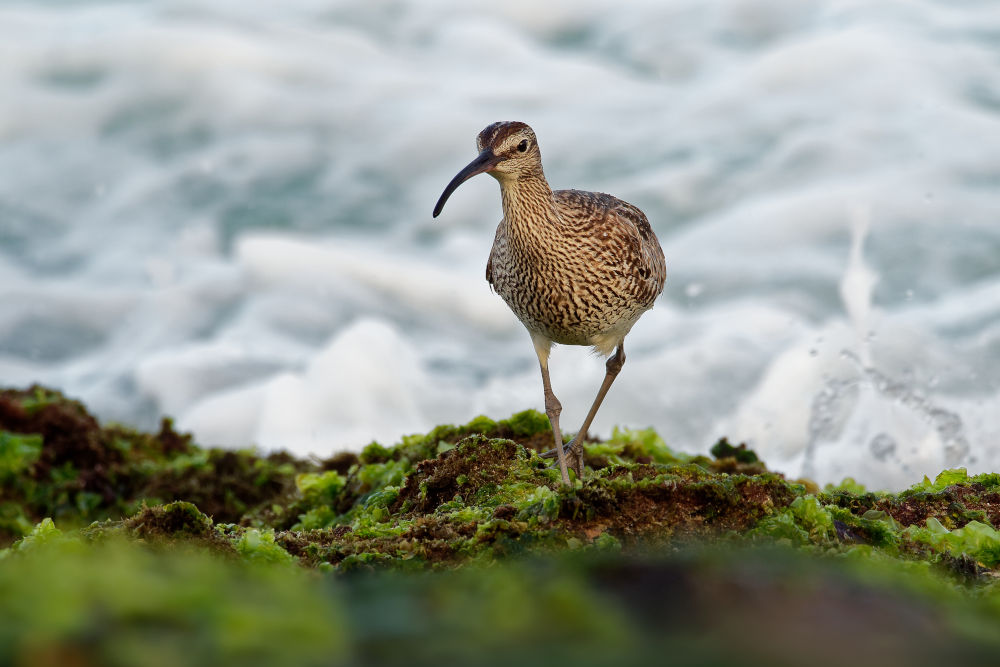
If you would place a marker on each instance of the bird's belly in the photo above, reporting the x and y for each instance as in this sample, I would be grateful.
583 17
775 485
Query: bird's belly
569 313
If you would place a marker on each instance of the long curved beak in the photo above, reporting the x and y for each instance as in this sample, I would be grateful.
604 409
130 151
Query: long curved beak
486 161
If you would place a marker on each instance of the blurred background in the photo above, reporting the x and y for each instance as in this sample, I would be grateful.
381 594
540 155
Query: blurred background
221 212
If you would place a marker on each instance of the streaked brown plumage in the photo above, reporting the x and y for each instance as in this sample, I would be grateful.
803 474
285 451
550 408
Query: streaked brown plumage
577 268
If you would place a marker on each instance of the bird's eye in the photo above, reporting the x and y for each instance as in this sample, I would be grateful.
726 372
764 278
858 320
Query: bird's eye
523 146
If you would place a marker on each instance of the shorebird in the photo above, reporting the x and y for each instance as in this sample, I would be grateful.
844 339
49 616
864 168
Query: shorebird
577 268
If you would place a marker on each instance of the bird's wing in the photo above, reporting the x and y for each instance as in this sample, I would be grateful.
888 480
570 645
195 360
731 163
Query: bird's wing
619 228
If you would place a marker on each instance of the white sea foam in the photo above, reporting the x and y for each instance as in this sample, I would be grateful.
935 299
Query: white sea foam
222 212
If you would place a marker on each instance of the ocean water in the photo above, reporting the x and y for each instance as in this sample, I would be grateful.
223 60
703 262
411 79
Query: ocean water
221 211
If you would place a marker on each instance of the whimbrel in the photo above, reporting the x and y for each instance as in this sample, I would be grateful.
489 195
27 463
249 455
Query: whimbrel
577 268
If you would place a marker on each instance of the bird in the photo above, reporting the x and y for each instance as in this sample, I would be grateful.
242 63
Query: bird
575 267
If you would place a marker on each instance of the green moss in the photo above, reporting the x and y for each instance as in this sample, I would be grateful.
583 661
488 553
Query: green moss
115 603
813 517
317 517
330 499
177 519
14 522
384 498
375 477
258 546
459 494
645 444
320 488
722 449
847 486
607 542
363 561
57 461
521 424
38 397
874 527
378 525
17 454
43 533
462 543
375 453
541 506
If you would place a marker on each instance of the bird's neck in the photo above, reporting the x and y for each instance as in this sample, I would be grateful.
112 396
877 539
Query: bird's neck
527 200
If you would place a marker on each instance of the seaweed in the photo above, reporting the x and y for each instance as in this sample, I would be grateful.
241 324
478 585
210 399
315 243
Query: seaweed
57 461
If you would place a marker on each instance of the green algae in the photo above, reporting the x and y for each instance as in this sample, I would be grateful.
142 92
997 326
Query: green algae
490 558
68 601
975 540
57 461
17 454
42 533
925 523
456 495
259 546
723 449
628 445
943 480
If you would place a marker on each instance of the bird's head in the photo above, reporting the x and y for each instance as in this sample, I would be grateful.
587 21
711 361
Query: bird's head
508 150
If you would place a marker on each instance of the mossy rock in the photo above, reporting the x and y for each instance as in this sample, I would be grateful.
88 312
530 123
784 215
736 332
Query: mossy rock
464 543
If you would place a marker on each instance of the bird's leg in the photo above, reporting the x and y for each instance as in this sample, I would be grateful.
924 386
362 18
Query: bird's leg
552 409
575 446
552 406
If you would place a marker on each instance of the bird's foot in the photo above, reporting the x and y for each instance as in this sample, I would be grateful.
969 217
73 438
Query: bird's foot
571 447
574 453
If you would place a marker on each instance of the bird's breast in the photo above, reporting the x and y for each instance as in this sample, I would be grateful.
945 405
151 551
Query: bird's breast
570 289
